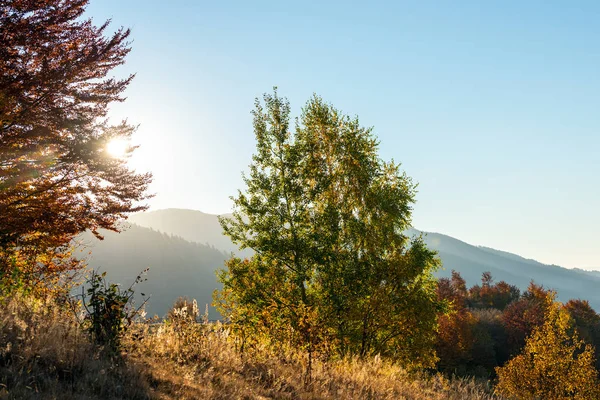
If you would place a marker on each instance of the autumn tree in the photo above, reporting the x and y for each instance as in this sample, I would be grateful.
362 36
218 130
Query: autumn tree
587 322
586 319
492 295
489 348
324 215
521 317
555 364
56 179
455 337
467 339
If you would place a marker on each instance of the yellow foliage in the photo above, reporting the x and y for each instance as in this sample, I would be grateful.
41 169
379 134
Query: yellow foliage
555 364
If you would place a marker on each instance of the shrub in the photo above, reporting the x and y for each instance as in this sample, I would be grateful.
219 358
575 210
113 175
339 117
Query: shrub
109 310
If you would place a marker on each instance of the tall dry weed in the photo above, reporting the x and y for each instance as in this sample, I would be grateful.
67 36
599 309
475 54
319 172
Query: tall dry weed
197 360
44 354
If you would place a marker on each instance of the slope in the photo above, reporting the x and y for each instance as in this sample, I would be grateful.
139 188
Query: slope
194 226
471 261
176 267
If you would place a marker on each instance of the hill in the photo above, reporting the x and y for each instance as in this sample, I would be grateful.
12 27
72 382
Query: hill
471 261
177 267
194 226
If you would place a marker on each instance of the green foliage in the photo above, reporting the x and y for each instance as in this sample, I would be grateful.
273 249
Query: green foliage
109 310
332 272
12 280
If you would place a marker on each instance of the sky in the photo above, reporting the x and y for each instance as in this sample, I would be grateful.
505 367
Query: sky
493 108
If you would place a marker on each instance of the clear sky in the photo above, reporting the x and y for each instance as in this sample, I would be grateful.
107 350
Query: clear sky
492 107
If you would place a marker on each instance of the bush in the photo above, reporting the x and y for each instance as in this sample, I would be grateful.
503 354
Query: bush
109 310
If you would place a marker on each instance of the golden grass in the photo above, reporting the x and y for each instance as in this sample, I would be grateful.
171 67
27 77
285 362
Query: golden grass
45 355
200 361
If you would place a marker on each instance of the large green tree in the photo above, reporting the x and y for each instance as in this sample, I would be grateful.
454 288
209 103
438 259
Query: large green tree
56 178
325 216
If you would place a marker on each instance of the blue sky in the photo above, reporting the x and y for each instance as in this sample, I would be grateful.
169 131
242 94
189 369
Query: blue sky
492 107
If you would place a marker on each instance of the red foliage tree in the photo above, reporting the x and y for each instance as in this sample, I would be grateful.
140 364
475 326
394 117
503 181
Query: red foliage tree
490 295
455 330
523 315
56 179
587 323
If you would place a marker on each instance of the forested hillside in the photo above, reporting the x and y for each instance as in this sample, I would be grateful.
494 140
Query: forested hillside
176 267
194 226
470 261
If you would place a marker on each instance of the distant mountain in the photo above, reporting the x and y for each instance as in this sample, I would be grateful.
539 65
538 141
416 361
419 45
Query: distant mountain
511 256
194 226
471 261
177 267
595 273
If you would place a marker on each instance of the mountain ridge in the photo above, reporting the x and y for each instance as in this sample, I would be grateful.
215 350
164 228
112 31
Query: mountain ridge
176 267
194 228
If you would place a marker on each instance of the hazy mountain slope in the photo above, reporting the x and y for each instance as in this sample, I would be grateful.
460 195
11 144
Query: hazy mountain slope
471 261
594 273
511 256
194 226
177 267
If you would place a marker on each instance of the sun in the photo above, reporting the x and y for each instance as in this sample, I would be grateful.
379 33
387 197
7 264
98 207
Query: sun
117 147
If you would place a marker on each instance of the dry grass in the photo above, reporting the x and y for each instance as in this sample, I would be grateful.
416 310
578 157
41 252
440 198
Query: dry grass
45 355
191 361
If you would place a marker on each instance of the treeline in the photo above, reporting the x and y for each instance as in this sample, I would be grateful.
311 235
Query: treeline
490 322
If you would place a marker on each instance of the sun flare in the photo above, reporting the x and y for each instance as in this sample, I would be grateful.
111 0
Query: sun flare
117 148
